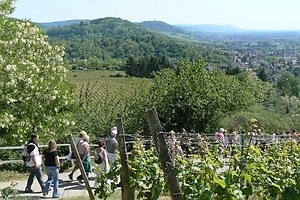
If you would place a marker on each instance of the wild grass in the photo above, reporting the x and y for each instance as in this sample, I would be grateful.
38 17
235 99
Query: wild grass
7 175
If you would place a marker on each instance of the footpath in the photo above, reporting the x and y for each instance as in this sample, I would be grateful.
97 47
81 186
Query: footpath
67 188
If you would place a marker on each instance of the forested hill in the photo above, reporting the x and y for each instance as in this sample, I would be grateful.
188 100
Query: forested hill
47 25
108 42
163 27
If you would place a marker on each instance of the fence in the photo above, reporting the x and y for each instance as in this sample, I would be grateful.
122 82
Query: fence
193 140
130 140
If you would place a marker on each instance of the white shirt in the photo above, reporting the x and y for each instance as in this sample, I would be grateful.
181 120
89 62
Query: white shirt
37 156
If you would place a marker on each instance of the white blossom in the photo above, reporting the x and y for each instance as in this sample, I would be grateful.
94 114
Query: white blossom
33 71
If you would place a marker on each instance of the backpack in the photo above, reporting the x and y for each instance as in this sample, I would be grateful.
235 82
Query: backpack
99 160
25 155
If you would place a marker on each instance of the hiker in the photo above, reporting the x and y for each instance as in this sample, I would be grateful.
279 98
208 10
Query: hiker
34 163
51 161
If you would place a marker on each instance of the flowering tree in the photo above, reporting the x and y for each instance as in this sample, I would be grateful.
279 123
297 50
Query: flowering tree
34 93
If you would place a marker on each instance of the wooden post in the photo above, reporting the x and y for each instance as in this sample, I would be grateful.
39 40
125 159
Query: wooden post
164 157
127 191
80 165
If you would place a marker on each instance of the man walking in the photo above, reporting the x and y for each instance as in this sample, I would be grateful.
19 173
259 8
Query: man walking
34 163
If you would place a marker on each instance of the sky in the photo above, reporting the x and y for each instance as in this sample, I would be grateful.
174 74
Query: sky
245 14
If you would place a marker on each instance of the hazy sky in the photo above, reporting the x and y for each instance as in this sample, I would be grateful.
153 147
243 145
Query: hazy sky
246 14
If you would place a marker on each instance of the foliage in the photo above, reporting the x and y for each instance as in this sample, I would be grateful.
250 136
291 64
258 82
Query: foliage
6 7
289 85
107 182
248 172
136 105
276 114
146 177
260 90
196 98
9 191
262 74
268 119
233 70
146 66
34 94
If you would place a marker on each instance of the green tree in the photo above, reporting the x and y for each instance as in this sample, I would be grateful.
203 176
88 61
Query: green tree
195 98
296 71
262 74
289 85
34 93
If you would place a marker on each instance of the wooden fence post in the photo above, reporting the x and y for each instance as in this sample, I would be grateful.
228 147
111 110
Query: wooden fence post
80 165
127 191
164 157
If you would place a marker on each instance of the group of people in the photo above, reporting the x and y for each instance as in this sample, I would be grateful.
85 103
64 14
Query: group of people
106 150
50 159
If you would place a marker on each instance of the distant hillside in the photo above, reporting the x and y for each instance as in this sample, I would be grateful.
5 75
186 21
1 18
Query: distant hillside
210 28
108 42
47 25
162 27
158 26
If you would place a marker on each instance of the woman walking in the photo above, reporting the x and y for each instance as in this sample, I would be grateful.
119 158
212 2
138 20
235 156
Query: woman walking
101 153
51 161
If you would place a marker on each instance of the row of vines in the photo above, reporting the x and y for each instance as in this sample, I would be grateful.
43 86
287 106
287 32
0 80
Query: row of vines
101 99
248 173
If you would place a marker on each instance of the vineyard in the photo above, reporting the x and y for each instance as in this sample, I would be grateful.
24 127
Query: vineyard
248 172
101 97
252 169
101 84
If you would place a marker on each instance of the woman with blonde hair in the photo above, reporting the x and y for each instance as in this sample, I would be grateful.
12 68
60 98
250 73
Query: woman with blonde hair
51 161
